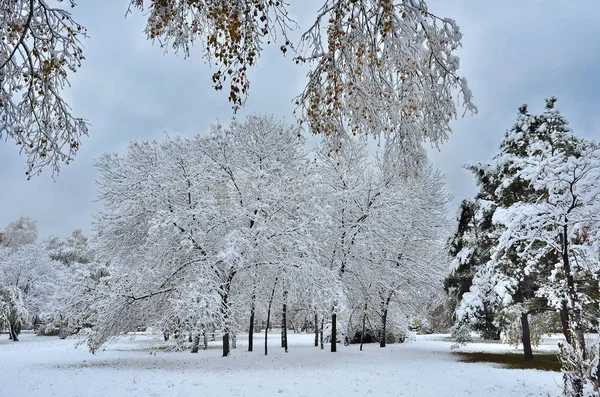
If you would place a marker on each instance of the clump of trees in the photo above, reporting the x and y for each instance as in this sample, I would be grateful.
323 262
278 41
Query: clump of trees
238 231
228 231
41 282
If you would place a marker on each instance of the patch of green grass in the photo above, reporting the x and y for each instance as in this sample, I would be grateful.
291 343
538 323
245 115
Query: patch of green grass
543 362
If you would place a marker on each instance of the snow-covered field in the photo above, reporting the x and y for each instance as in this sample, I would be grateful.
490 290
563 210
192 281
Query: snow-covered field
47 366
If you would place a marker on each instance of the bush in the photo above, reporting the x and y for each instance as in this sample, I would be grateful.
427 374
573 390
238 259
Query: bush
369 338
395 337
373 337
47 330
461 334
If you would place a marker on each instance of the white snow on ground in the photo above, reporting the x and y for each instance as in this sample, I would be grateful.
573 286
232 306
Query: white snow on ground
47 366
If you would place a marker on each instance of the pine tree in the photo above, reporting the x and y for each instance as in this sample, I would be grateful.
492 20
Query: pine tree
506 281
470 247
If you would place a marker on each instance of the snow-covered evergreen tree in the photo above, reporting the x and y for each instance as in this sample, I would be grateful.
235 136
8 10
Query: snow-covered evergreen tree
555 231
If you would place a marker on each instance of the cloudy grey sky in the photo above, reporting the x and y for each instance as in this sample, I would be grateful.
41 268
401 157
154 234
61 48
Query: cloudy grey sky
514 52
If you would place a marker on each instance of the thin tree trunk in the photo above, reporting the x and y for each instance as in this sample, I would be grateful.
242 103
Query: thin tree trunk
196 343
205 340
383 328
224 293
251 327
267 329
564 321
316 329
269 316
284 339
226 348
386 305
322 326
13 334
225 338
526 337
333 332
362 333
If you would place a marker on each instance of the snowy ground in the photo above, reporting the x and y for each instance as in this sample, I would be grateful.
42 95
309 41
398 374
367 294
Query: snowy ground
47 366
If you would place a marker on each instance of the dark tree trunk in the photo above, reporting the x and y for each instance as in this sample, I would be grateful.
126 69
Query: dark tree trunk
383 328
364 320
267 329
333 332
224 293
190 337
251 327
316 329
564 321
284 339
196 343
226 348
322 326
14 329
526 337
166 335
205 340
269 316
385 307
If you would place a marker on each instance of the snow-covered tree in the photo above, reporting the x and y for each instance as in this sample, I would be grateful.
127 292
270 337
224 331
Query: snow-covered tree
29 278
74 290
343 176
385 225
401 248
470 248
374 67
206 209
13 310
555 233
73 249
40 47
504 287
212 232
20 232
541 242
